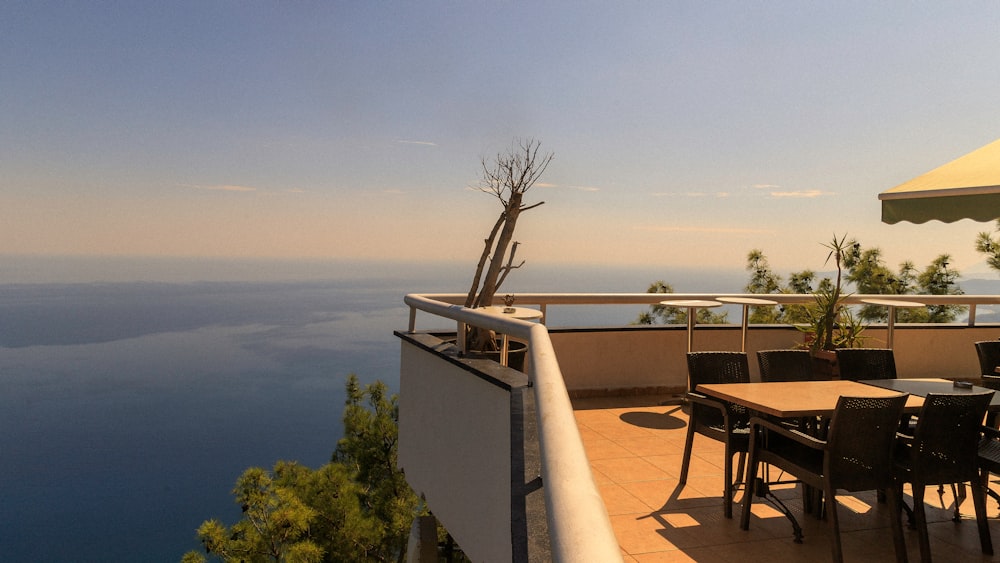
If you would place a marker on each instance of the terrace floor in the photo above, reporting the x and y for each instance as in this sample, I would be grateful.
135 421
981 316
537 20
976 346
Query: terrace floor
635 447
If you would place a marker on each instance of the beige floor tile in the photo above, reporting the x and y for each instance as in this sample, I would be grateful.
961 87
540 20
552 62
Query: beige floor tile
670 463
639 534
690 555
646 446
628 469
618 500
616 430
603 448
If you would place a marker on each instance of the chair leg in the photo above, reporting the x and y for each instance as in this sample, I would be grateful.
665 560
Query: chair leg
748 491
959 494
727 490
979 501
686 461
985 482
892 495
831 515
741 464
920 515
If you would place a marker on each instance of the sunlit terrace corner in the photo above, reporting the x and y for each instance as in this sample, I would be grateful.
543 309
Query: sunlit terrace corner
577 458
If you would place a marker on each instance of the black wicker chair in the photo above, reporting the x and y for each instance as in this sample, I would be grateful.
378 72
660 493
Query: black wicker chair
989 357
856 456
989 459
715 419
988 352
785 365
866 363
944 450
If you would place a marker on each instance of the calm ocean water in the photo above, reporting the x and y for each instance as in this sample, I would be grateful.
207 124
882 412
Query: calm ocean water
134 392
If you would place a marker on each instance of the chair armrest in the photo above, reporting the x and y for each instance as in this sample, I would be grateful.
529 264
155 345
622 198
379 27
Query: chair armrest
800 437
708 402
991 433
718 404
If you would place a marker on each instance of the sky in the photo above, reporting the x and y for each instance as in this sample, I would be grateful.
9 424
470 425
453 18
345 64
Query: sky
684 133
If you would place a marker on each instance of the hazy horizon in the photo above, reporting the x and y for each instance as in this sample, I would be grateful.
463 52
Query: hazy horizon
19 269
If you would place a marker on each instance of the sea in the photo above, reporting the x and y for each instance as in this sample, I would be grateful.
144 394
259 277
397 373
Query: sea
134 391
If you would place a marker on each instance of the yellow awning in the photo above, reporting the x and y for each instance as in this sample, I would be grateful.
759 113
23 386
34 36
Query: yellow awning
965 188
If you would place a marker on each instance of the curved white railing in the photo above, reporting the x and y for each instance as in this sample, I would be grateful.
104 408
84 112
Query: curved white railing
545 299
579 526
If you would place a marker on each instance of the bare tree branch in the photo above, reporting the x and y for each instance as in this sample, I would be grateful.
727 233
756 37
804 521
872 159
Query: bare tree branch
508 177
506 269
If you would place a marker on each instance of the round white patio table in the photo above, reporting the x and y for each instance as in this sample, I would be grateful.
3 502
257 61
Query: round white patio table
522 313
892 304
746 302
691 305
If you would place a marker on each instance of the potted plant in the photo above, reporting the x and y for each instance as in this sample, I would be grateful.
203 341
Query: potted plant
508 177
830 324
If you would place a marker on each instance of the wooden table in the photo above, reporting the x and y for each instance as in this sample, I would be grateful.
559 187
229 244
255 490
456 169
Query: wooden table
922 386
797 399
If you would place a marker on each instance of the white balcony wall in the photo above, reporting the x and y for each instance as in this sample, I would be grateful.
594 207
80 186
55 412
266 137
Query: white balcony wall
455 448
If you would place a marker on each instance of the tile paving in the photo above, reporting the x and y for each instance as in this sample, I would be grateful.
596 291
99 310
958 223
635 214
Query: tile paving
635 445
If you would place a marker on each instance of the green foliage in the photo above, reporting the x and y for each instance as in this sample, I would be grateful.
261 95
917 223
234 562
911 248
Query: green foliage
369 448
936 279
869 274
275 525
358 507
986 244
828 309
662 314
827 321
762 280
829 324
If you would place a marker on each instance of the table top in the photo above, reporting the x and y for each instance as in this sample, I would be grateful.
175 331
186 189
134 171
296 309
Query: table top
892 303
747 301
691 303
793 399
523 313
922 386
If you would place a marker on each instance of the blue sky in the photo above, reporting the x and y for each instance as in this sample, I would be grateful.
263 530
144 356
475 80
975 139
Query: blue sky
684 133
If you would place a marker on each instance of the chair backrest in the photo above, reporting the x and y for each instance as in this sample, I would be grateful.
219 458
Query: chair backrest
861 439
946 439
989 356
866 363
785 365
717 367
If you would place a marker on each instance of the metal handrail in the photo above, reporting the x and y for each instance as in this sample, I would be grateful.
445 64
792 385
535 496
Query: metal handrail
545 299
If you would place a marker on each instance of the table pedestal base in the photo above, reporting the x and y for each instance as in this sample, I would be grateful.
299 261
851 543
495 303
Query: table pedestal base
763 490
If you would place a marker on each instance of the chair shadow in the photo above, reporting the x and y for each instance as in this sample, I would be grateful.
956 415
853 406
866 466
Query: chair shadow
658 421
669 531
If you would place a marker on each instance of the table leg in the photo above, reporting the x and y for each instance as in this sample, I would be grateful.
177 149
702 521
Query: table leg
891 326
690 321
503 351
746 322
